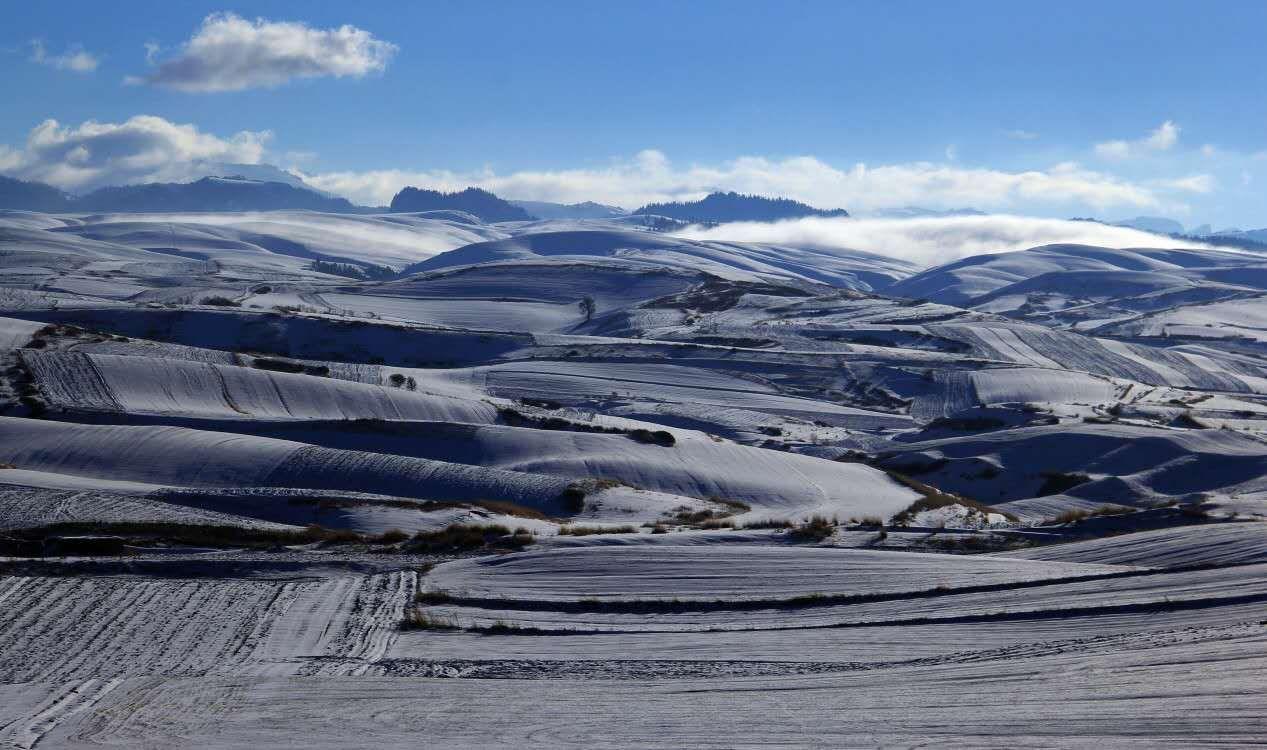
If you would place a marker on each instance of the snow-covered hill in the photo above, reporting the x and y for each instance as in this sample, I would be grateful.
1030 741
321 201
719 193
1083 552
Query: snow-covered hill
254 463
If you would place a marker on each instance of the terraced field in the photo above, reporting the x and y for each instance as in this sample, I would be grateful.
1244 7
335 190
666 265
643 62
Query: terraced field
584 484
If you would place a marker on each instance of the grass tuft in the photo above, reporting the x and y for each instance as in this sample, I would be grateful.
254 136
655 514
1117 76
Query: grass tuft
589 530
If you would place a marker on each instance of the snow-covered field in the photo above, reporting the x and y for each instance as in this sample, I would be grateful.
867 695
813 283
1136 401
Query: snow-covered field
397 480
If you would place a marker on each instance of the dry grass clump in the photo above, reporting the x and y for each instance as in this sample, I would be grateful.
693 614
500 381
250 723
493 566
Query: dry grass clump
816 529
769 523
589 530
435 596
1075 515
710 518
148 533
459 537
417 618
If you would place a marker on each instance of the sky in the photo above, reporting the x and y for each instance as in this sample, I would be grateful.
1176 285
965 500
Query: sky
1111 110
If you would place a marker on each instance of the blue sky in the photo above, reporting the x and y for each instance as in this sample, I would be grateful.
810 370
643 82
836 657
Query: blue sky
1111 109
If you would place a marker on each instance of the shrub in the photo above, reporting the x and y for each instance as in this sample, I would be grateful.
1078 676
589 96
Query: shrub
573 497
392 536
277 365
658 437
816 529
221 302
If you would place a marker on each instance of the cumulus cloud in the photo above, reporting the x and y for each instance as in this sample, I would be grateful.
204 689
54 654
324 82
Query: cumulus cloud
1163 138
933 241
75 59
231 53
651 177
142 149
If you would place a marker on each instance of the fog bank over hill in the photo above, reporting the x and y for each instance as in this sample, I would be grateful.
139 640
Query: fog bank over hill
934 240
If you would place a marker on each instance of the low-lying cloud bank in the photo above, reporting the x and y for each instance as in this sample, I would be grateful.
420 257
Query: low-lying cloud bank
144 148
651 177
147 148
933 241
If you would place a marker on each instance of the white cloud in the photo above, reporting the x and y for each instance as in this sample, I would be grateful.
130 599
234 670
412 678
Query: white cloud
1197 183
142 149
1163 138
933 241
952 152
231 53
1113 150
651 177
1021 135
75 59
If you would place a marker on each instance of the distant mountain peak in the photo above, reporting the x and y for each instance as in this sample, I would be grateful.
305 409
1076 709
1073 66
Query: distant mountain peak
1154 224
584 210
732 206
473 200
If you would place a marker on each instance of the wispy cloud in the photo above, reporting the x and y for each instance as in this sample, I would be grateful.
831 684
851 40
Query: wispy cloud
933 241
1163 138
75 59
1021 135
231 53
651 176
1196 183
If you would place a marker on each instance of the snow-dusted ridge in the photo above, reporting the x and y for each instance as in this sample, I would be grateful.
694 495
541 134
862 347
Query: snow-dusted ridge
729 493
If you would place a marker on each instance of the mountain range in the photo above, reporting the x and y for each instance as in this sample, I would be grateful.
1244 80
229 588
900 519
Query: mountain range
234 193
